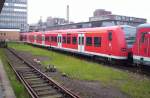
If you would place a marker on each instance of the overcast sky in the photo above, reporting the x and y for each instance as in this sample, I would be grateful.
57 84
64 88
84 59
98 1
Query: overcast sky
81 10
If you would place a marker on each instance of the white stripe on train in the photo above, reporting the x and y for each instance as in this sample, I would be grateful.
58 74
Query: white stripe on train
92 53
140 57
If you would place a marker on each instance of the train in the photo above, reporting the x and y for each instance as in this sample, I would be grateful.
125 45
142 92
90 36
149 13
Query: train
141 47
121 43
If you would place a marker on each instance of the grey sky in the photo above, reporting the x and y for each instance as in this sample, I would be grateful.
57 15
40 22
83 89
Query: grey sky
81 10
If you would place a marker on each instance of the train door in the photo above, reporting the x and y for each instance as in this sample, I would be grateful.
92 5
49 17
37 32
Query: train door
43 39
109 44
142 46
59 40
35 38
148 45
81 42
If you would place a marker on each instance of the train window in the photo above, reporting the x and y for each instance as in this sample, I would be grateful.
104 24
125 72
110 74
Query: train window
58 39
47 38
97 41
74 40
143 37
82 40
64 39
110 36
52 38
130 33
68 40
43 38
89 41
55 39
79 41
34 37
38 38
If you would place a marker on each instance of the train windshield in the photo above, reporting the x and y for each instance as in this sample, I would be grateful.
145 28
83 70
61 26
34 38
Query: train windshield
130 34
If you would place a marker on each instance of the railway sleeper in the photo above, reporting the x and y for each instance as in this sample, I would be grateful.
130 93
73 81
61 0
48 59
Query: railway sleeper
43 88
28 72
23 68
39 85
31 77
48 93
53 96
28 75
36 83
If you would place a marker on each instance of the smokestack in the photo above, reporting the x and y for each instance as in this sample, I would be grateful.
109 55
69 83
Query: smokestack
68 13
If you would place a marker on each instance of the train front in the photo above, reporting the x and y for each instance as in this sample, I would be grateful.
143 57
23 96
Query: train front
130 36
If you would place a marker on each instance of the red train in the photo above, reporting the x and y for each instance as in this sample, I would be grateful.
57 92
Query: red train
110 43
141 48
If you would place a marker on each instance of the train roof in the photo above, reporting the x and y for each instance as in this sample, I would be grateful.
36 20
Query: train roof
147 25
90 29
83 29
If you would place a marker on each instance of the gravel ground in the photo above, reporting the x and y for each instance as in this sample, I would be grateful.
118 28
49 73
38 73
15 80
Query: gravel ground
85 89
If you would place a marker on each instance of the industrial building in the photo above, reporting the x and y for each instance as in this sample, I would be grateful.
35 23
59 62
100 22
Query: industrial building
112 19
100 18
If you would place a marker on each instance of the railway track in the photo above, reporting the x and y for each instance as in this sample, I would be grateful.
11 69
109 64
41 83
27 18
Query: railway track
36 82
142 70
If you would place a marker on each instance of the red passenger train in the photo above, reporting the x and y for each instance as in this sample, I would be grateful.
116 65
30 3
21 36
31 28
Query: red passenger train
141 48
112 43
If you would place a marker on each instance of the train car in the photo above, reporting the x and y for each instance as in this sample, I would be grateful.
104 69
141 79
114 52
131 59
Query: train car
23 37
112 43
141 48
108 42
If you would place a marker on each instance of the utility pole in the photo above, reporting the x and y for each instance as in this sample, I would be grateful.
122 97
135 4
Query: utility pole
68 13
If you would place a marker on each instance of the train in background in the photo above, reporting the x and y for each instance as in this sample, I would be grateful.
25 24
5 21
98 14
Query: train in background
141 48
115 43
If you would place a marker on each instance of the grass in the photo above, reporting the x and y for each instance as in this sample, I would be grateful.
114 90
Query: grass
18 88
128 83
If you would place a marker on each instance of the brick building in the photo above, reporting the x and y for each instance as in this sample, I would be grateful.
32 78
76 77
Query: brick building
9 34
